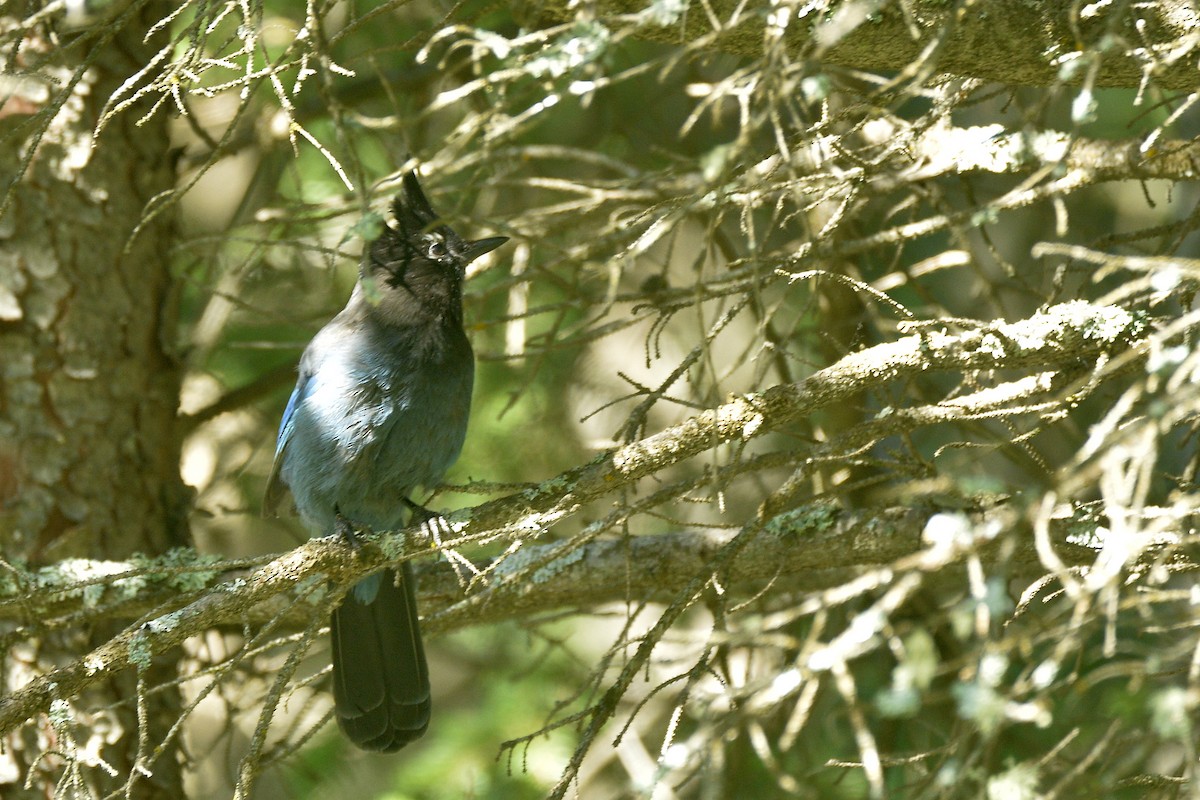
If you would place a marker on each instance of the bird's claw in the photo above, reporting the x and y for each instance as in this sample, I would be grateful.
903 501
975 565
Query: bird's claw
346 529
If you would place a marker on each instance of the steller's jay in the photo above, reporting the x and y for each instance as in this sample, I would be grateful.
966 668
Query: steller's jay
380 408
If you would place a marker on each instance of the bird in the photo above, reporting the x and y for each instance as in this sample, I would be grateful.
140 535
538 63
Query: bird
379 410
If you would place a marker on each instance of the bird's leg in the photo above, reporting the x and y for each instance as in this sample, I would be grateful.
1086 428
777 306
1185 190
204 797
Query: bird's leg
346 529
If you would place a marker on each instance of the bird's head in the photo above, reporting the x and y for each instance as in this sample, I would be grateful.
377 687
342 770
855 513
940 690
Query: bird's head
418 264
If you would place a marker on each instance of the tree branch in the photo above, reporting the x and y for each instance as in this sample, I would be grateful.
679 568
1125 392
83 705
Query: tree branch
1008 41
1063 335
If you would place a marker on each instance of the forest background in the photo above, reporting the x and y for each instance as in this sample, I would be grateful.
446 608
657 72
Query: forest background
833 433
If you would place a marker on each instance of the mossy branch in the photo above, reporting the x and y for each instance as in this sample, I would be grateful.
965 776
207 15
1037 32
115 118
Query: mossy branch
1063 336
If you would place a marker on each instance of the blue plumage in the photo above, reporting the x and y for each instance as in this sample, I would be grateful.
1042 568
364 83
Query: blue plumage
380 408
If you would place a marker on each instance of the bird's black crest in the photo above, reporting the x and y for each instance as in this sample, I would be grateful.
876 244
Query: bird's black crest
411 208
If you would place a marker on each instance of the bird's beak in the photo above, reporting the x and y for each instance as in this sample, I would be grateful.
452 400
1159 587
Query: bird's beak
480 246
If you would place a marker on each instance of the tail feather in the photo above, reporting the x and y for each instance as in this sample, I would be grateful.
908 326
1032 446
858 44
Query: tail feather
380 678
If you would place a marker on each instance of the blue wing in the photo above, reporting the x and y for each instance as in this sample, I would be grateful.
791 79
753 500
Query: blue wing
275 486
285 424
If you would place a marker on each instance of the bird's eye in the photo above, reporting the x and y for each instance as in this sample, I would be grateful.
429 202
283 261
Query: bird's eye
437 250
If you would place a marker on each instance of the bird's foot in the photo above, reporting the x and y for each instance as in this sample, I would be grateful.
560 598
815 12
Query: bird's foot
433 522
346 529
420 513
438 528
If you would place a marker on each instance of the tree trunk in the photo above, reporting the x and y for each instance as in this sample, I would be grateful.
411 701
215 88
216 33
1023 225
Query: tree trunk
89 449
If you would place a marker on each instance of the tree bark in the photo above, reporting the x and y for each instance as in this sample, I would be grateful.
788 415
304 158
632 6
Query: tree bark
89 450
